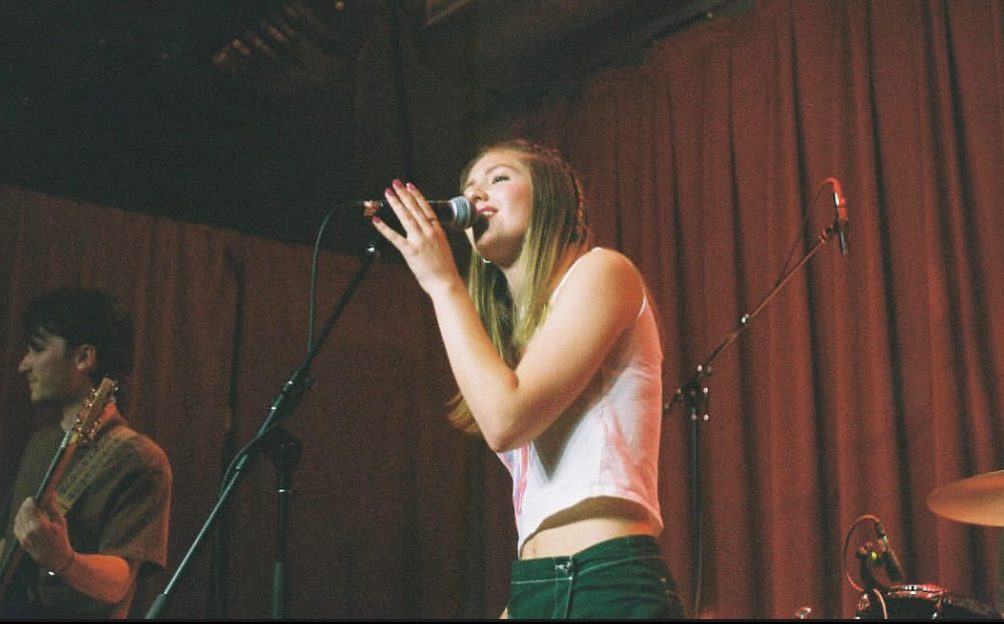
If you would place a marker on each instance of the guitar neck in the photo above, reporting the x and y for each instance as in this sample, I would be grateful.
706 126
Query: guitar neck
14 552
56 468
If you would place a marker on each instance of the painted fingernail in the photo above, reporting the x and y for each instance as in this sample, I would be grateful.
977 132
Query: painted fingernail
397 182
410 186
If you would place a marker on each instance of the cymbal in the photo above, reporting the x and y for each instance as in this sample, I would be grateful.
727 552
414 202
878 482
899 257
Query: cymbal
975 500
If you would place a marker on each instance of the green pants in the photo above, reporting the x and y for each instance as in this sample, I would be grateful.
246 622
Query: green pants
620 578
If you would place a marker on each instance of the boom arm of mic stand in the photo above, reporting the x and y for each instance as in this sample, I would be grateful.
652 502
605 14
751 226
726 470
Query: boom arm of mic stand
284 403
695 395
688 389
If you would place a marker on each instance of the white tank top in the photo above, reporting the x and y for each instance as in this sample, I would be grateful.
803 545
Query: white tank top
606 443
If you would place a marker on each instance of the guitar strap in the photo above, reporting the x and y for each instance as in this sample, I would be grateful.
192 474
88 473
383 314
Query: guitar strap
97 457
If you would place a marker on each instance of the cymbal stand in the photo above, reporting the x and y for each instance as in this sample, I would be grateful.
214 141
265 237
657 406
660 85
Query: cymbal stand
695 395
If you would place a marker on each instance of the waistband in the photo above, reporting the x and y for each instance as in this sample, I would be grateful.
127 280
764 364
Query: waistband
618 548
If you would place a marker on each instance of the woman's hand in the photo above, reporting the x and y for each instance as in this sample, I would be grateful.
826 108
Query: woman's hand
424 245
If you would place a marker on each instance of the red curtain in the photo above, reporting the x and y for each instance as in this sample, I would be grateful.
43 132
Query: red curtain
868 381
871 379
376 527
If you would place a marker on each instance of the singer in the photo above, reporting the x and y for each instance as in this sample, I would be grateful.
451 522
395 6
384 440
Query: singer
555 349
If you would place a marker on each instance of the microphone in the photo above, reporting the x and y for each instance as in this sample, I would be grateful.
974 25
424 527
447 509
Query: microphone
889 559
456 213
841 207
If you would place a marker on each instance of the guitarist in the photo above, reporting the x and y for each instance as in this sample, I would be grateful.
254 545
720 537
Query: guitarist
106 525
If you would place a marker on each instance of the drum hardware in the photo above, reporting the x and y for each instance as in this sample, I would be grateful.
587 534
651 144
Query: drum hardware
804 613
897 600
921 602
872 555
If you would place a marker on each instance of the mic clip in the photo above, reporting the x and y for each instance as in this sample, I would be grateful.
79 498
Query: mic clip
870 559
893 568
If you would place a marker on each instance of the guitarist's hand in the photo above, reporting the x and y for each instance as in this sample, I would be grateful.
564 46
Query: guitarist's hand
42 533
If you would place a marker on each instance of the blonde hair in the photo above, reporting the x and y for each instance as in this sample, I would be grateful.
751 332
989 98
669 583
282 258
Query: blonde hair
557 233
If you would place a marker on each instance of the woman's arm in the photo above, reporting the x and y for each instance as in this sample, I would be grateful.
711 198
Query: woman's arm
514 406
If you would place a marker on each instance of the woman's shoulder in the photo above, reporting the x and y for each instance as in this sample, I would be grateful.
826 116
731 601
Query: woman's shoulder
600 261
602 272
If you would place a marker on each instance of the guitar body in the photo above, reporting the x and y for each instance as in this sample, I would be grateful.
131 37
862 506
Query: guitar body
83 431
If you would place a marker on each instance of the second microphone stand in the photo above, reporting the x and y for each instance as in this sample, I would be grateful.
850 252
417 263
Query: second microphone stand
695 395
285 450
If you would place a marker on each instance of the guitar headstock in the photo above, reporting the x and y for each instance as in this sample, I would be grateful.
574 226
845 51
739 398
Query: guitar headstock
89 419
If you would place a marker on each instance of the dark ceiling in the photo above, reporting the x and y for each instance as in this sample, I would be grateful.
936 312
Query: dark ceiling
257 114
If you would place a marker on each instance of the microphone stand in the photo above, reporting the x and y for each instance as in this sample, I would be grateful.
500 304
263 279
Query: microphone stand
283 404
285 451
695 395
